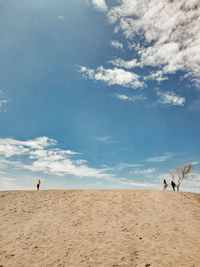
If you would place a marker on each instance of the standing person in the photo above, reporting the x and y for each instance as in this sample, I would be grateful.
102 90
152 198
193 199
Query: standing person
38 184
165 184
173 185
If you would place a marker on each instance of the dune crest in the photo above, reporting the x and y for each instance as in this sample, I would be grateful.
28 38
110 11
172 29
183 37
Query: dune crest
99 228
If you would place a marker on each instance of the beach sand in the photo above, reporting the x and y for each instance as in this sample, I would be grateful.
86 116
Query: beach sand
99 228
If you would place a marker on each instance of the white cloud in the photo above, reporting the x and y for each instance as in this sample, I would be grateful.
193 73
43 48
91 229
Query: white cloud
87 73
113 76
10 147
100 5
171 98
124 97
165 157
117 44
125 64
60 17
170 30
41 155
65 167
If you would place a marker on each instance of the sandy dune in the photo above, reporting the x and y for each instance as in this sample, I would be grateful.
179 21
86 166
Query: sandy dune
99 228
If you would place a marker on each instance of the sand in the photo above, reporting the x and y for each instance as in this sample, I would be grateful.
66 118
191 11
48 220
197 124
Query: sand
99 228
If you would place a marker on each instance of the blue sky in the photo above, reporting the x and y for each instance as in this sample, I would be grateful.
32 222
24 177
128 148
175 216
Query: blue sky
98 94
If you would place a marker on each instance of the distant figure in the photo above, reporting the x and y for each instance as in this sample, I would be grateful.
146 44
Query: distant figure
38 184
165 184
173 185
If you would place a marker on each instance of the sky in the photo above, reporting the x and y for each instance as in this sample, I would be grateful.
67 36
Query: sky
99 94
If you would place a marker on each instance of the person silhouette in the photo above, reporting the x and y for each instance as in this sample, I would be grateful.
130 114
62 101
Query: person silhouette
38 184
173 185
165 184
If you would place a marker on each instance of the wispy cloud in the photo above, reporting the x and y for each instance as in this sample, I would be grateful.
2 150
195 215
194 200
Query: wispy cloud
158 76
105 139
3 100
170 98
124 97
121 167
127 166
113 76
165 157
144 172
195 162
117 44
42 155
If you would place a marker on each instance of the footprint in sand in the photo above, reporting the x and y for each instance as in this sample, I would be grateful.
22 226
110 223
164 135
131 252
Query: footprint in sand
123 259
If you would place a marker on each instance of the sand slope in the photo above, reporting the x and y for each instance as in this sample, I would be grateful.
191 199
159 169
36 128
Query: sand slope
99 228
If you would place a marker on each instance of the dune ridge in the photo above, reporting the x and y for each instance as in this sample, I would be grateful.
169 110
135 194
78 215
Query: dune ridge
99 228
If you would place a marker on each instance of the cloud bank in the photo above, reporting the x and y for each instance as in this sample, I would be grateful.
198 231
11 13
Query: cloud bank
42 155
169 30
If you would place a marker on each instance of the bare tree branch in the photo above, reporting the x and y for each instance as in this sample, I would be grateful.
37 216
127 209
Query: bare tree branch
181 173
